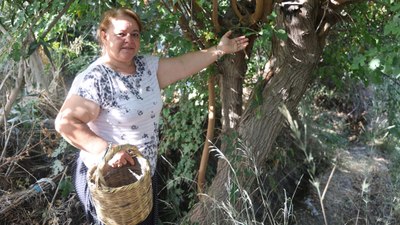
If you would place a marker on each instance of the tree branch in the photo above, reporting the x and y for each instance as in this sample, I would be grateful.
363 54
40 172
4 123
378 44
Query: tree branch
210 135
215 21
167 6
10 72
55 20
6 34
19 83
258 12
268 7
184 24
195 11
236 9
344 2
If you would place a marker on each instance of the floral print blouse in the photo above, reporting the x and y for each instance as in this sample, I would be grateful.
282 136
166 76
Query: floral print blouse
130 105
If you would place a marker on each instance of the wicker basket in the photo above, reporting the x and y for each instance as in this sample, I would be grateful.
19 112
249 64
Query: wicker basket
124 195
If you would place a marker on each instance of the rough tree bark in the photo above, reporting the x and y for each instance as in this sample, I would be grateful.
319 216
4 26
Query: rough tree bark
287 76
232 70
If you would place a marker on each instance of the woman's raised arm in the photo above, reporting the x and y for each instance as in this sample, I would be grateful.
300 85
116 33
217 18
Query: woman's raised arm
177 68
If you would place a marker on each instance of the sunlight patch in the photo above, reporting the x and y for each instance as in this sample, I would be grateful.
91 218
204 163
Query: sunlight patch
374 64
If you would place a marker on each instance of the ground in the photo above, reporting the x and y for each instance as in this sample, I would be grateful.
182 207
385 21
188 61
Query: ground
359 191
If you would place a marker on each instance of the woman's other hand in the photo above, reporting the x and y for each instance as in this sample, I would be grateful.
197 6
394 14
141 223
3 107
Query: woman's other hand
120 159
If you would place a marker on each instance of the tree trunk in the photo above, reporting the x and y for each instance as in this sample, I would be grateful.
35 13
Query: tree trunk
292 64
37 79
19 84
232 68
288 74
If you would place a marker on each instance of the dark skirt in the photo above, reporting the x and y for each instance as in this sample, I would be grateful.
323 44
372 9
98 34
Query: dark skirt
82 190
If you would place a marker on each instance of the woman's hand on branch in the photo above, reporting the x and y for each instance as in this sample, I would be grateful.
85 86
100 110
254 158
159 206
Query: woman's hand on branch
228 45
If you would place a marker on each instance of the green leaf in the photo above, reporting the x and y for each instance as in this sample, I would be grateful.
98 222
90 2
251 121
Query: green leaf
358 61
200 2
57 167
16 51
66 187
281 34
32 47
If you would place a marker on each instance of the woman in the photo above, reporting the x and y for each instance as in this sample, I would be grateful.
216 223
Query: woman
117 99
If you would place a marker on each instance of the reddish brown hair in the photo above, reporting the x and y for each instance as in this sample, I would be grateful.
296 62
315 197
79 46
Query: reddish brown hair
112 14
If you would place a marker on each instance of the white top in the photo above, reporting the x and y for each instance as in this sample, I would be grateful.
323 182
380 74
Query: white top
130 105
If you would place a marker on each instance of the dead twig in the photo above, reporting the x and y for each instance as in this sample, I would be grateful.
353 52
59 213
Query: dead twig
8 203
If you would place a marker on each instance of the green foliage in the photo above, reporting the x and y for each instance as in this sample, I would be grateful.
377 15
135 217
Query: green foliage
383 131
58 166
66 187
24 19
25 112
182 138
162 36
368 51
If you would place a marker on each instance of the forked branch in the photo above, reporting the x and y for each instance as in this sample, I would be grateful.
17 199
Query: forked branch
263 8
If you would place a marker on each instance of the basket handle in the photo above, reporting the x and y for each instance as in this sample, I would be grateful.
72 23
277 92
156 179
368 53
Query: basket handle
132 150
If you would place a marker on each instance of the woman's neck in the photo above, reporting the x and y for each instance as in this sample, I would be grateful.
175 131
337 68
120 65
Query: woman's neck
121 67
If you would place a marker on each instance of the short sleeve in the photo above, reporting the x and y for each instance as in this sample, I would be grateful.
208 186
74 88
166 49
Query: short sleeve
92 85
152 64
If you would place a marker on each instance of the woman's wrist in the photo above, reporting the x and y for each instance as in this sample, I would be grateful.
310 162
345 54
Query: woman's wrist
219 52
100 156
107 149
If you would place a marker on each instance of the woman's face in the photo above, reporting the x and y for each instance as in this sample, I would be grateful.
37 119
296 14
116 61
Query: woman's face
121 40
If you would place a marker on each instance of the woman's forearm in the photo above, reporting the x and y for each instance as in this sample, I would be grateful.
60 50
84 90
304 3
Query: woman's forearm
174 69
79 135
